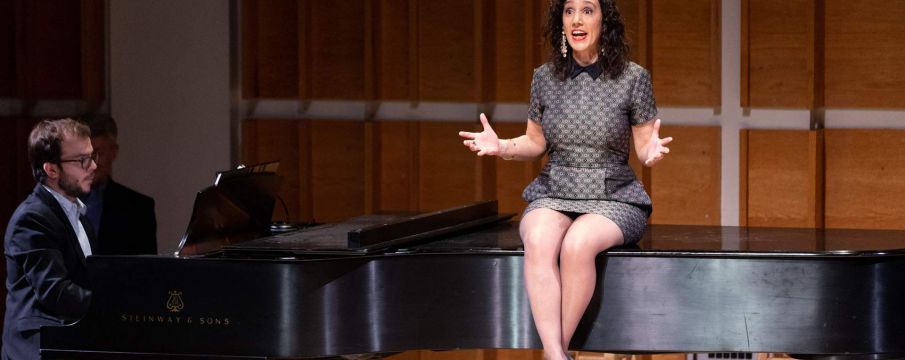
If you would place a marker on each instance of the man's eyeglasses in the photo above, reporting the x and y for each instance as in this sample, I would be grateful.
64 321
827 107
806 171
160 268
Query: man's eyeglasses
84 160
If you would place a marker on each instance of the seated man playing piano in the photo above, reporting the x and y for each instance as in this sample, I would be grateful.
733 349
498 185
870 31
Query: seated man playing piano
48 239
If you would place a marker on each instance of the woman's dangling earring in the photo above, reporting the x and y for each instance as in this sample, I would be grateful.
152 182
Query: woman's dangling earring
564 49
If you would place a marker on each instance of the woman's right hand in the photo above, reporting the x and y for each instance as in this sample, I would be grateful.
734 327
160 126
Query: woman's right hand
485 142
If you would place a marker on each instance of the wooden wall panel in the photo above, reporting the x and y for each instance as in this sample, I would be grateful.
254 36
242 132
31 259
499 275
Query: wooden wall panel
336 49
865 179
470 354
270 53
9 160
8 74
449 174
541 48
24 179
17 179
398 154
93 64
337 169
513 49
446 51
783 183
513 176
864 54
52 54
779 53
394 51
265 140
685 186
685 49
637 29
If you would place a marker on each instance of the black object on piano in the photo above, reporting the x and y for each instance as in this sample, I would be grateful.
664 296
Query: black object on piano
236 208
311 294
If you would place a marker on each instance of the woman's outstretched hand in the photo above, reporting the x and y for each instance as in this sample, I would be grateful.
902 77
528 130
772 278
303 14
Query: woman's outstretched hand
485 142
656 147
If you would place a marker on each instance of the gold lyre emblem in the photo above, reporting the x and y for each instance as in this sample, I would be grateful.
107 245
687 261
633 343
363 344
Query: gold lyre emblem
174 303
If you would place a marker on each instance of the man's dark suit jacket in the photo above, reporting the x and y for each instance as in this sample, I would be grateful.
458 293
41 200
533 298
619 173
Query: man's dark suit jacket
128 225
46 276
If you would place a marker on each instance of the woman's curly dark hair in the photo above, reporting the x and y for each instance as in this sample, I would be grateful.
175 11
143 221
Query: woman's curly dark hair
612 40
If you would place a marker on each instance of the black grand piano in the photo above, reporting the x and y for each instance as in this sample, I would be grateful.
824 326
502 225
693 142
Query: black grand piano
452 279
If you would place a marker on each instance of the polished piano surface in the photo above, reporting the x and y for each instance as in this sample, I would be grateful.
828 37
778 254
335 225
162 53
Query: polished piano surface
369 285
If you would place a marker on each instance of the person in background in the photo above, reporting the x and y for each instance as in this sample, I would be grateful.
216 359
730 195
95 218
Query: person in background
124 218
48 239
588 104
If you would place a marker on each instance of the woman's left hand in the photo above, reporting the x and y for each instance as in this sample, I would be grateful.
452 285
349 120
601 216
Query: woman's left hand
656 148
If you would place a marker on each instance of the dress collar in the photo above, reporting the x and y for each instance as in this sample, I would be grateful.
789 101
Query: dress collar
594 70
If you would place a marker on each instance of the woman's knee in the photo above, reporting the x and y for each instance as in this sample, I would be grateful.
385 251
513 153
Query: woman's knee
542 231
586 239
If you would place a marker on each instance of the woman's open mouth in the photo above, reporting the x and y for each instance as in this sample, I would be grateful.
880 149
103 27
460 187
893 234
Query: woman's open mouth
578 35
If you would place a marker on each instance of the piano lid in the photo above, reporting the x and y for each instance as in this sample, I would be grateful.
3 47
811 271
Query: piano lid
237 208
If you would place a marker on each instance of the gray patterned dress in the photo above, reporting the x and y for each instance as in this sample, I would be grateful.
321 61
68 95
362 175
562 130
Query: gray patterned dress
587 124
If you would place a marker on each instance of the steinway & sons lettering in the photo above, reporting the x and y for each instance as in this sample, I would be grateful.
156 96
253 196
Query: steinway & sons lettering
176 320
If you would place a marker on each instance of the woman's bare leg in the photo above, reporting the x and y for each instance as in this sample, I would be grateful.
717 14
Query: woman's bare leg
588 235
542 232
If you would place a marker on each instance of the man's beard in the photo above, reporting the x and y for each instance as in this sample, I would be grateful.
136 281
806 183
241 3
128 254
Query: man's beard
70 186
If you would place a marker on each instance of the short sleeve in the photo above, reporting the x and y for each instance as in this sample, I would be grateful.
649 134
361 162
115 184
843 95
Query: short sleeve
536 104
644 107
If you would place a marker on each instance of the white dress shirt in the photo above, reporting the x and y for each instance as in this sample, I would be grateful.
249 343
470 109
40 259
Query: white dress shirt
73 210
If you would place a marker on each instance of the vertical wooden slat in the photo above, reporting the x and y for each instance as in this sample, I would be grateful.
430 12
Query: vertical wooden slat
745 54
304 50
276 49
250 19
52 54
369 64
20 49
816 169
528 41
92 60
447 170
513 50
630 18
414 50
716 53
393 59
743 178
539 43
817 65
636 17
646 34
337 169
397 175
447 68
485 51
305 196
336 49
8 49
371 168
